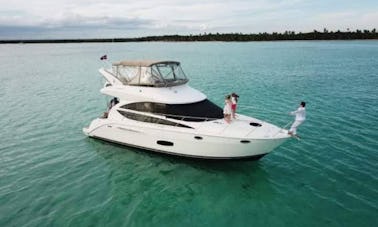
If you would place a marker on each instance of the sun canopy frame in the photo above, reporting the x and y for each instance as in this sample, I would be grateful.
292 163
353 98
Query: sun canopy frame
143 63
150 73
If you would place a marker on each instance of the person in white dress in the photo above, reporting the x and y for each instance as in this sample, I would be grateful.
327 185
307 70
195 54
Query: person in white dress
227 109
300 117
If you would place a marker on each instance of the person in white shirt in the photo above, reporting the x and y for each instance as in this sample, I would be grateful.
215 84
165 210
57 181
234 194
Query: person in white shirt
300 117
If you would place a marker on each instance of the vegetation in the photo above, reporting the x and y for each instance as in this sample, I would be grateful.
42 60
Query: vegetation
227 37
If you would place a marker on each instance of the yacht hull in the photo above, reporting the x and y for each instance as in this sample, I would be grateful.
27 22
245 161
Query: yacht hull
186 144
154 108
253 157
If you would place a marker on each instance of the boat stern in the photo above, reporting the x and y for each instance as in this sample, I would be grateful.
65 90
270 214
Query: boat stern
94 125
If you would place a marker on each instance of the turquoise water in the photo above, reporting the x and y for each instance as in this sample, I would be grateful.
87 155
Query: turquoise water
52 175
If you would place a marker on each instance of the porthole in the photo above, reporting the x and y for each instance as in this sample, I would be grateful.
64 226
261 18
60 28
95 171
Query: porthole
198 138
255 124
164 143
245 141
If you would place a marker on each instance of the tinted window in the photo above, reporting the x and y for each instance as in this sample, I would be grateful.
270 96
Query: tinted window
143 118
199 111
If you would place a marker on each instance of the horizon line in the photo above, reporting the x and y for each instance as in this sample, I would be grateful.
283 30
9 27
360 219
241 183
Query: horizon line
216 36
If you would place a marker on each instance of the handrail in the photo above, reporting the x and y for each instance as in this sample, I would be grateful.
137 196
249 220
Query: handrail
200 124
250 131
141 113
167 115
283 128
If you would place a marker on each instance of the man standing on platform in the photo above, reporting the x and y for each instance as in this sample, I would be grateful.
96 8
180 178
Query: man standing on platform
300 117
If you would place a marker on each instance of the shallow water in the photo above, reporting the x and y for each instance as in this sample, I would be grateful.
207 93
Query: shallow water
52 175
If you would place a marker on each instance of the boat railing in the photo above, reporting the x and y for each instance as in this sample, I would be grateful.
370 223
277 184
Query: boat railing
283 128
177 120
182 117
250 131
172 117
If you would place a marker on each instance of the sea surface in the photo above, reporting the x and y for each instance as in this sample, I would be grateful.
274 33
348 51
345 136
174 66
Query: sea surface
51 174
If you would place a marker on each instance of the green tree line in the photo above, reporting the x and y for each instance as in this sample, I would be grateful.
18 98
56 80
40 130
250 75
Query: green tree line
226 37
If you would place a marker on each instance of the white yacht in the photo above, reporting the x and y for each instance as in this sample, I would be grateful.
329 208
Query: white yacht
157 110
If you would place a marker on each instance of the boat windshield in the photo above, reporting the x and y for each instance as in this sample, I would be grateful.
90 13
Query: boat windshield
151 74
199 111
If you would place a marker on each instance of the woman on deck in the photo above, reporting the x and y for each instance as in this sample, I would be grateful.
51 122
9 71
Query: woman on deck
234 101
227 111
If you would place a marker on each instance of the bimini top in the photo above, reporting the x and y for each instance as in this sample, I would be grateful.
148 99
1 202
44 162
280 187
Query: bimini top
143 63
149 73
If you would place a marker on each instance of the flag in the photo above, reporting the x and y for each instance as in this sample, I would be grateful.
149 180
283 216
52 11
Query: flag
104 57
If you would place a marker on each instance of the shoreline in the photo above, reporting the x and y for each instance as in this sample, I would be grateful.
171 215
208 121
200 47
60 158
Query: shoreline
226 37
59 41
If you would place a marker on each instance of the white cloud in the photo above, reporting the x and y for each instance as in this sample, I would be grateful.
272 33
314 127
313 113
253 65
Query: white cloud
346 20
44 12
182 16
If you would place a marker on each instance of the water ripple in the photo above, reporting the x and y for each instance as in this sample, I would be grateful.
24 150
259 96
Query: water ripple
52 175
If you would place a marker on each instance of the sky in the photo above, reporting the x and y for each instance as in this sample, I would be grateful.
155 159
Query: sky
57 19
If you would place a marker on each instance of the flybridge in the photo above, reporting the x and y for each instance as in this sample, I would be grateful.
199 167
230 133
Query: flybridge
149 81
149 73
